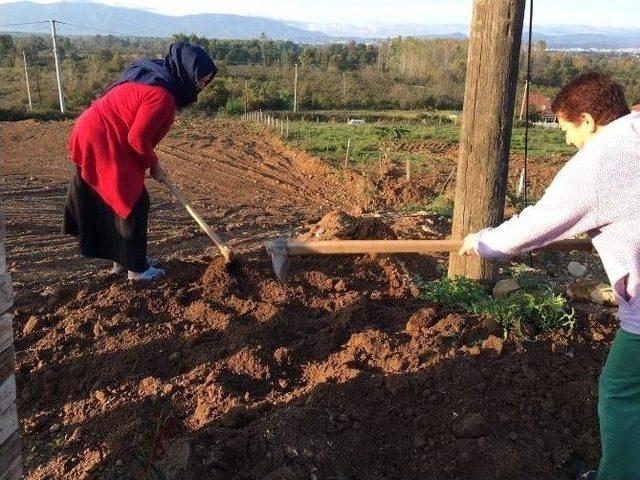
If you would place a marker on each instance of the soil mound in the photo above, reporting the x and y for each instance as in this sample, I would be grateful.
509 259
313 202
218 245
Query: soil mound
338 225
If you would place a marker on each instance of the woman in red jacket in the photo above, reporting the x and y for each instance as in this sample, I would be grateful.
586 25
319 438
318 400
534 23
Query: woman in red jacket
112 145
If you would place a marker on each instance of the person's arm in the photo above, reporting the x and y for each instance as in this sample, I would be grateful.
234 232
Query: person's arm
153 119
568 207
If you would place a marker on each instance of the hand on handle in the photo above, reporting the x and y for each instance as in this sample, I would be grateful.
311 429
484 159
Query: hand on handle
158 173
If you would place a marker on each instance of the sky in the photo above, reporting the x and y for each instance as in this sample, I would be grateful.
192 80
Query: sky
605 13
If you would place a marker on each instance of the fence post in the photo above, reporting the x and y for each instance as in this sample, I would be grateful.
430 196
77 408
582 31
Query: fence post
346 157
10 459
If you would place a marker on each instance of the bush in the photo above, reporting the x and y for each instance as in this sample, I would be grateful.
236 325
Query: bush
213 98
234 106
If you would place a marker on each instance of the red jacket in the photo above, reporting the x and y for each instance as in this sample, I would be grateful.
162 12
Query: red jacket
113 141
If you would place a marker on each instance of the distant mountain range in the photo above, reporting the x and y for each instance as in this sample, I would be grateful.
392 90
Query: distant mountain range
92 18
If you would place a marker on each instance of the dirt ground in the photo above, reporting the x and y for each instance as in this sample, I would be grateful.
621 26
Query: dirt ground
223 373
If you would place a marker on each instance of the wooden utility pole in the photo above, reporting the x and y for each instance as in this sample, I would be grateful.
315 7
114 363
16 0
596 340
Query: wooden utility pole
295 90
487 117
55 56
26 78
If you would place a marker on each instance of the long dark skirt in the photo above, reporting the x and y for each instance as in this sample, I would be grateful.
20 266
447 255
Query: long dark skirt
101 232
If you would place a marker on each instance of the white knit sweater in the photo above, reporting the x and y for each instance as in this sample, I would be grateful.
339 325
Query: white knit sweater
597 192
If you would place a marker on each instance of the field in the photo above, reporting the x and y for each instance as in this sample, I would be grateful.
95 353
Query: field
344 373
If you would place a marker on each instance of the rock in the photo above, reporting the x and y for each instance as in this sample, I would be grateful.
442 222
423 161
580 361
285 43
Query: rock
282 356
602 294
576 269
505 287
290 452
580 290
101 396
31 325
493 343
471 425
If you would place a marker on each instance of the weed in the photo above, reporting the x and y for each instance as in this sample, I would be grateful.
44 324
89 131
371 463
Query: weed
541 308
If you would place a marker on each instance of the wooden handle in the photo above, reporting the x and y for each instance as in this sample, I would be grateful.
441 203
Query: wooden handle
204 225
337 247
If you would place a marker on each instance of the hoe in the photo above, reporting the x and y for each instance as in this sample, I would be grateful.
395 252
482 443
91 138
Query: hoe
282 249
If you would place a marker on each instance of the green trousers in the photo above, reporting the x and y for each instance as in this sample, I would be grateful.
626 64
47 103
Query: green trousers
619 410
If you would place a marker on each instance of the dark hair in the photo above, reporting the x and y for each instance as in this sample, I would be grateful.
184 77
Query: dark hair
593 93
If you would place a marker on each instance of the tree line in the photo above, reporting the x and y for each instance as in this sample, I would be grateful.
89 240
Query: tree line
397 73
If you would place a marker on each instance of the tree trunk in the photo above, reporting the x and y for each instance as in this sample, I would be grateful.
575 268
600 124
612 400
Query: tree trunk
485 137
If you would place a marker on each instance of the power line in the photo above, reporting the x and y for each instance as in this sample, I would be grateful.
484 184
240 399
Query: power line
94 29
21 24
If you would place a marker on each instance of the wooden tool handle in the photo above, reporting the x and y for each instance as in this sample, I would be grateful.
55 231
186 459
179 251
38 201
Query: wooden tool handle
204 225
336 247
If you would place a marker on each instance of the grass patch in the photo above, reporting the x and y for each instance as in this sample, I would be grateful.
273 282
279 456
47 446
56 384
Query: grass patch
328 139
536 305
439 206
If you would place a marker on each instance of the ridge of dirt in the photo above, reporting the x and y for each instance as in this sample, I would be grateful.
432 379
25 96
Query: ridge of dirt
223 373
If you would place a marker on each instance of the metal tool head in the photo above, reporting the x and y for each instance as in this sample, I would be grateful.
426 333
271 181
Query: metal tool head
277 248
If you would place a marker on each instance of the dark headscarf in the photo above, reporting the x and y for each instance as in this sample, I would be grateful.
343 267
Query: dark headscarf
178 72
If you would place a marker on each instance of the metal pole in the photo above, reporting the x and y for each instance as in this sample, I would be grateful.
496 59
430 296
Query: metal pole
295 90
26 77
55 56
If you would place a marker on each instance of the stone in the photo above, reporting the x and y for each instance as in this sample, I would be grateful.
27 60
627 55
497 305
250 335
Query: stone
505 287
282 356
602 294
471 425
580 290
576 269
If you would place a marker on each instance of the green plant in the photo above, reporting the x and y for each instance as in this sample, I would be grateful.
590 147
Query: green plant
543 309
441 207
458 292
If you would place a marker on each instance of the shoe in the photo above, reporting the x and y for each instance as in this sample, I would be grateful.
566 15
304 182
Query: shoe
590 475
117 269
150 273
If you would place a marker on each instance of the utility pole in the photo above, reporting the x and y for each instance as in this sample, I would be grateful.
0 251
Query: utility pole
487 118
55 56
26 77
295 90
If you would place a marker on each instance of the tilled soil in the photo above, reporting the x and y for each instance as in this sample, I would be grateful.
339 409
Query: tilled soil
221 372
